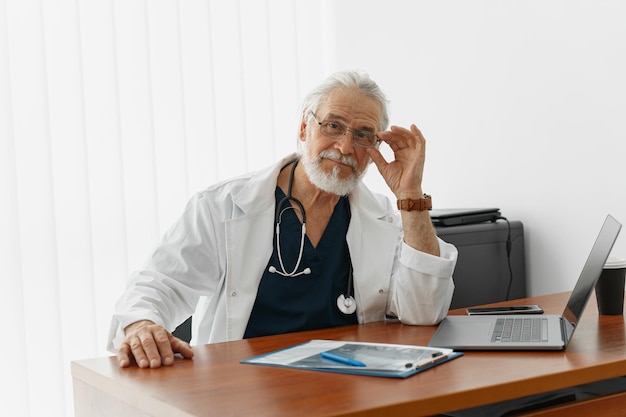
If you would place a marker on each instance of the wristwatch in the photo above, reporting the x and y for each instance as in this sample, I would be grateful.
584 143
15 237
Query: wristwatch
424 203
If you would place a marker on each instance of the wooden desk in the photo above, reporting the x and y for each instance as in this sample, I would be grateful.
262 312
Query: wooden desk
214 383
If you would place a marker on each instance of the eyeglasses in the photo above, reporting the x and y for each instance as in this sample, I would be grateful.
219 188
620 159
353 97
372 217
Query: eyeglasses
336 130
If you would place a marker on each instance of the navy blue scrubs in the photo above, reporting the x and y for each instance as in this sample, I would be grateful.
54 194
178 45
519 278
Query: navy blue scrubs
306 302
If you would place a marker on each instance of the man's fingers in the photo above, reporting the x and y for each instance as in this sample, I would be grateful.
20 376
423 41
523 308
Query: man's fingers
377 158
151 346
163 344
144 351
181 347
123 356
147 346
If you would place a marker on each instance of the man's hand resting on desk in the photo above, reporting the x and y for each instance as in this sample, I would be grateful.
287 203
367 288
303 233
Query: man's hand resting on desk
151 346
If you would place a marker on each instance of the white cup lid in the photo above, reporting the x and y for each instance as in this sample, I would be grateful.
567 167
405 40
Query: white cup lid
615 263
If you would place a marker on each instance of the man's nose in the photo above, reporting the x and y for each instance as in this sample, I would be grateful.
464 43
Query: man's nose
345 144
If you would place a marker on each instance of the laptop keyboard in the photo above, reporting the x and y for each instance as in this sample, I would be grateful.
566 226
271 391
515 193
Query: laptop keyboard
520 329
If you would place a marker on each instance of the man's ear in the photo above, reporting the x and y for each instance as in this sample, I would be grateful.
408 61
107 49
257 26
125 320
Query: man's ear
303 128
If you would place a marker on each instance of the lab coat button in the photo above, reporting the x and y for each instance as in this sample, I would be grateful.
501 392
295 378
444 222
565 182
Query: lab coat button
234 294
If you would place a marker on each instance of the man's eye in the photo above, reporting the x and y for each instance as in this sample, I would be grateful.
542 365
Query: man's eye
334 126
362 135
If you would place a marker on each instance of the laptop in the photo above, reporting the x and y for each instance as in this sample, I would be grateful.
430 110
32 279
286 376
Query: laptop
455 217
530 332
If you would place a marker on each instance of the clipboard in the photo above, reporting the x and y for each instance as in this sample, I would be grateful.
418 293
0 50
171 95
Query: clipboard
360 358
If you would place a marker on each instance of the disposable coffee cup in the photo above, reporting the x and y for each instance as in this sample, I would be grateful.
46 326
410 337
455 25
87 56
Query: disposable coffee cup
610 287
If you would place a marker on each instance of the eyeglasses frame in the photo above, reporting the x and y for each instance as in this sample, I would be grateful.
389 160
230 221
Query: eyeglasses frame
346 130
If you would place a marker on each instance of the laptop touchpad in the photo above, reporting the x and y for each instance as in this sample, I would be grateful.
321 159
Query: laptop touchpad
466 329
462 330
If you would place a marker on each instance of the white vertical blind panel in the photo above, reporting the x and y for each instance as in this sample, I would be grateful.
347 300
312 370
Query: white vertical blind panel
328 39
69 177
167 102
198 93
12 306
257 84
283 55
69 172
312 55
227 78
35 205
112 113
136 129
104 159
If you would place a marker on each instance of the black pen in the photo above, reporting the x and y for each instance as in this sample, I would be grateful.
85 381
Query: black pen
436 357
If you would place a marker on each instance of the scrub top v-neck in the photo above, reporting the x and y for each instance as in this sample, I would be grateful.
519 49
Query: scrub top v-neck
306 302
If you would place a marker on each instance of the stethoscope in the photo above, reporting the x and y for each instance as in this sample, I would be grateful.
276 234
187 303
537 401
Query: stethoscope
345 303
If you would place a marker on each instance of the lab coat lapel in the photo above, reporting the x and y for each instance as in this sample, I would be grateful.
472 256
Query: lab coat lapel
370 230
249 236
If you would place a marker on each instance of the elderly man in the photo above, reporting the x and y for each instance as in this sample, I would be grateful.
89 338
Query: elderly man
301 245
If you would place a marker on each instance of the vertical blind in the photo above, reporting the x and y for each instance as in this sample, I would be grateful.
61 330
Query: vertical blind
112 114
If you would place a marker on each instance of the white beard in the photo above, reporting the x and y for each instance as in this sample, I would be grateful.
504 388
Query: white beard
331 183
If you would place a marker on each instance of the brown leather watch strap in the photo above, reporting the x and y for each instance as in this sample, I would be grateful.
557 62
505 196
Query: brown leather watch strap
425 203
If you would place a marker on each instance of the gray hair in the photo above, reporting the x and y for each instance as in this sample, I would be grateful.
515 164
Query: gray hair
348 79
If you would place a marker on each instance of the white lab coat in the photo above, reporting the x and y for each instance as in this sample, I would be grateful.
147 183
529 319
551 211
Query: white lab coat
211 262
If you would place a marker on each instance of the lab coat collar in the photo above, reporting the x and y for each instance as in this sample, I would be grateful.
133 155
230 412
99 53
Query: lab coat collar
255 196
362 198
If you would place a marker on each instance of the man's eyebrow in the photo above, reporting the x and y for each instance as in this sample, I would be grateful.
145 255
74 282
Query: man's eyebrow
337 117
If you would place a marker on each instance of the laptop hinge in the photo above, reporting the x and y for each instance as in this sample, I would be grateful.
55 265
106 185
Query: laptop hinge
564 330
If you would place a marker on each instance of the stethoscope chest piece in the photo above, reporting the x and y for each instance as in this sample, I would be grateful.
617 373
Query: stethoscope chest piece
346 305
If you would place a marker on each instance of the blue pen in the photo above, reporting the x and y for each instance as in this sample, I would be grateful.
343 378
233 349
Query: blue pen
342 359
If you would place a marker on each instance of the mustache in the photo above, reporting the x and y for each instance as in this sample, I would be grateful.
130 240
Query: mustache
344 159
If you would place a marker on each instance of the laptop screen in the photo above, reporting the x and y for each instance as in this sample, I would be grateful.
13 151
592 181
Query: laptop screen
590 274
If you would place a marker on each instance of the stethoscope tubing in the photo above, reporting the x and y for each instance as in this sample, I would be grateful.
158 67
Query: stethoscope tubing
277 219
347 304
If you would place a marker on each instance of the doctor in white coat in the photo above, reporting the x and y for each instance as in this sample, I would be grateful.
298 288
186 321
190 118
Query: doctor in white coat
214 260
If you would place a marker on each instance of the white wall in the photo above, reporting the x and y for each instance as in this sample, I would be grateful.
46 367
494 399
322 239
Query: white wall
523 104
